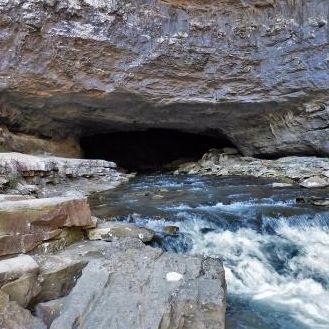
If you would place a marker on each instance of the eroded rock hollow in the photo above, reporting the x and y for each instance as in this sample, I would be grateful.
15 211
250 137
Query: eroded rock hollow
255 72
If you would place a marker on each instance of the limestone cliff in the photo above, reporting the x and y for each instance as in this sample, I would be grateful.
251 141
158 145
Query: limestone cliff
256 72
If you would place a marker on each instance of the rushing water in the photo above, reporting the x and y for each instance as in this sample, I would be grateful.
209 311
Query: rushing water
275 251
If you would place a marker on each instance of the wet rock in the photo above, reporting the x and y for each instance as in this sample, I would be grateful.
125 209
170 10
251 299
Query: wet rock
281 185
171 230
111 230
315 181
48 311
205 230
13 316
127 282
316 201
27 223
57 276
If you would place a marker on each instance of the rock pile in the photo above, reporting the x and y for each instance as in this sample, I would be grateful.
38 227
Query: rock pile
309 172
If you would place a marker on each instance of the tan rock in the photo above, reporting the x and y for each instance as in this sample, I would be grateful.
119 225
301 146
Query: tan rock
13 316
26 223
111 230
23 289
18 142
171 229
67 236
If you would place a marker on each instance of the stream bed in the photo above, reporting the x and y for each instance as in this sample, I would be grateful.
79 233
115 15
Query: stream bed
275 250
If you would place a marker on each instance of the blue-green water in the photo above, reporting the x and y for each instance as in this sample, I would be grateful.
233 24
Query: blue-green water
275 251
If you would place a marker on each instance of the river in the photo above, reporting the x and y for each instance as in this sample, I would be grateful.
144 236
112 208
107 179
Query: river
275 250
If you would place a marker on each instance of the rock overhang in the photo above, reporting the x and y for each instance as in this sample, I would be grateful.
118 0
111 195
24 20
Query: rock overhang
256 74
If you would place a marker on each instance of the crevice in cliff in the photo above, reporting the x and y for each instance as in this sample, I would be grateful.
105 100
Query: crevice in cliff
150 150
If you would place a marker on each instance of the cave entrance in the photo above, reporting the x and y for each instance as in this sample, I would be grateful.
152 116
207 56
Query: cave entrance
149 150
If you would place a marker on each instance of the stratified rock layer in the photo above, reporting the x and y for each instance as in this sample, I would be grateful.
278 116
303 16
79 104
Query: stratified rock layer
256 72
25 224
52 175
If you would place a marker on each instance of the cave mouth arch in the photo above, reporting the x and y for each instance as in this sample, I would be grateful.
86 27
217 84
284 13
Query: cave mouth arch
149 150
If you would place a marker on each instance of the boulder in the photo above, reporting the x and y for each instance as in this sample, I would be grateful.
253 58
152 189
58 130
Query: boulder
171 229
13 316
316 201
315 181
57 276
111 230
26 223
23 289
19 279
129 285
48 311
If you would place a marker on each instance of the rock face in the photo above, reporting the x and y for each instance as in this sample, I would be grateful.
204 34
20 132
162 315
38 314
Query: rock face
128 285
10 142
25 224
255 72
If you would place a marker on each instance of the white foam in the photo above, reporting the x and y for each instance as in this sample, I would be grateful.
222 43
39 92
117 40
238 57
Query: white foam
250 272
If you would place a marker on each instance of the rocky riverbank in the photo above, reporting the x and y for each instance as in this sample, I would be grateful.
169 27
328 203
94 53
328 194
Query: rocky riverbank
308 172
45 176
62 268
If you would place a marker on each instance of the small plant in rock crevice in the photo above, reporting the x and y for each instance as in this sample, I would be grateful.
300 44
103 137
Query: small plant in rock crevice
13 181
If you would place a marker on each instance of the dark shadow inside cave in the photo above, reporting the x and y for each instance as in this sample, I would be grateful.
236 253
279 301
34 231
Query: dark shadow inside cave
149 150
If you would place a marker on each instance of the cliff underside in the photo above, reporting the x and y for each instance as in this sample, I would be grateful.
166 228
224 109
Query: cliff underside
252 73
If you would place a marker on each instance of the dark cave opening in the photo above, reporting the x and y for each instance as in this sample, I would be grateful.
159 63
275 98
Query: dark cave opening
149 150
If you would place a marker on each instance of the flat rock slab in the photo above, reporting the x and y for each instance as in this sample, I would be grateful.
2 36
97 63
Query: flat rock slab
129 285
26 223
27 165
111 230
